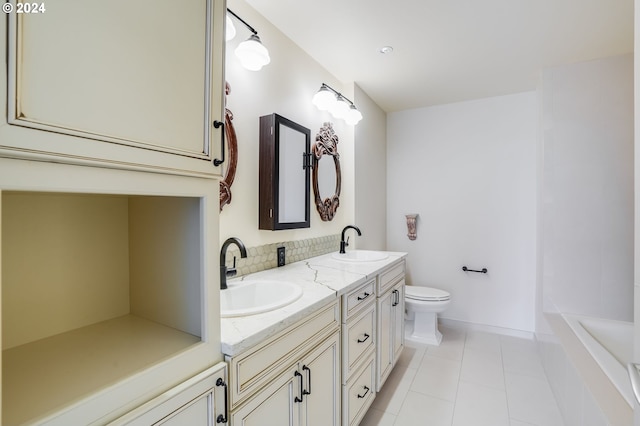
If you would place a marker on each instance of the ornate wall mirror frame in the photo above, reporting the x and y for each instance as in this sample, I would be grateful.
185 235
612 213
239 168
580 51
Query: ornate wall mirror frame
326 172
232 152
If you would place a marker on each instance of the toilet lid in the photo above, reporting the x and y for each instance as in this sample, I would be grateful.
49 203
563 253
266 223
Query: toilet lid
426 293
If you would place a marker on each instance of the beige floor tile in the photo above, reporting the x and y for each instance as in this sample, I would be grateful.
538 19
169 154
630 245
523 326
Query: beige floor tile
395 389
437 377
478 405
530 400
482 368
472 379
519 423
487 342
412 355
452 346
421 410
376 417
521 356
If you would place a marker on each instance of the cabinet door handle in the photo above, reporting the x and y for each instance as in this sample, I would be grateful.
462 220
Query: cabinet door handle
366 336
217 124
365 296
307 162
308 391
222 418
396 298
366 391
296 399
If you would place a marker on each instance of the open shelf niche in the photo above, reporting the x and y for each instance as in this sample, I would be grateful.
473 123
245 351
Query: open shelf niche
96 288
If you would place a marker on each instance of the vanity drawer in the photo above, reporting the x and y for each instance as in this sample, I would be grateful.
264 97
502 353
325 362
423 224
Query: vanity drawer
254 369
360 392
358 298
358 339
389 277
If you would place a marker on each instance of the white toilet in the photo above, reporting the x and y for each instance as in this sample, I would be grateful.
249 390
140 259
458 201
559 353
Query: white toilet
422 305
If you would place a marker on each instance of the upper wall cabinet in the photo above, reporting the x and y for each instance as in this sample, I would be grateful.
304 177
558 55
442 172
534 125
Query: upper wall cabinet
284 174
124 84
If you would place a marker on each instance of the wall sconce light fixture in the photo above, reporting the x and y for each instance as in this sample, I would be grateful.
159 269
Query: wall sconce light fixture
251 53
327 99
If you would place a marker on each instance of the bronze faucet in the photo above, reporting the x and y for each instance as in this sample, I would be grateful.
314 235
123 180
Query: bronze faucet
229 272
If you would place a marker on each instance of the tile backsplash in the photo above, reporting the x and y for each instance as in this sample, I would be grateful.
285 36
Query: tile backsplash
264 257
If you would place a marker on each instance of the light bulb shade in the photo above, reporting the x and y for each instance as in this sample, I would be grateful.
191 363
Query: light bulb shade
340 108
323 99
353 116
252 54
230 29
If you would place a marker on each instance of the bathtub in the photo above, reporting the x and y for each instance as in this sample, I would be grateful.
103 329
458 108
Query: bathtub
610 343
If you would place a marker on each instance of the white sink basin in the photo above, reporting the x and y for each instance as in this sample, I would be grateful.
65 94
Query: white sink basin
256 296
361 256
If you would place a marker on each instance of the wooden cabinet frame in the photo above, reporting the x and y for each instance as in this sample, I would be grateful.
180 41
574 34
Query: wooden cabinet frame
82 142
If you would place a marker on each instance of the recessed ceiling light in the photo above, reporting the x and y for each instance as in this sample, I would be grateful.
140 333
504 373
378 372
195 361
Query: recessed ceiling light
386 49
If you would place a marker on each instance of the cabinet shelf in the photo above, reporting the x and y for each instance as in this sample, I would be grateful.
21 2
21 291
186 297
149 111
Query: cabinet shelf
48 374
102 302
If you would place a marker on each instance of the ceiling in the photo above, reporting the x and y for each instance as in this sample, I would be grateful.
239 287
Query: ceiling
450 50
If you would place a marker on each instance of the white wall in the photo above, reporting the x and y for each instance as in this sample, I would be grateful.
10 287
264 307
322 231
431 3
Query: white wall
371 173
285 86
588 188
636 317
468 169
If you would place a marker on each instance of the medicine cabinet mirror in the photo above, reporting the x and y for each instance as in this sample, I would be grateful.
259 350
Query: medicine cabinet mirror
326 172
284 172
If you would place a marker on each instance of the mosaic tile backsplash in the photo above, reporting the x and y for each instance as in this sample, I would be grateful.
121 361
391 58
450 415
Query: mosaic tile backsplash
265 257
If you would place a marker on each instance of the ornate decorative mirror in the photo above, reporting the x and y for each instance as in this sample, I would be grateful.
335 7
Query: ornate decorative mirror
232 150
326 172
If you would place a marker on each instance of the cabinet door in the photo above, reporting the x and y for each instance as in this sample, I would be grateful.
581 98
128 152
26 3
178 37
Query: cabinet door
196 402
274 406
398 320
385 324
145 95
195 414
321 371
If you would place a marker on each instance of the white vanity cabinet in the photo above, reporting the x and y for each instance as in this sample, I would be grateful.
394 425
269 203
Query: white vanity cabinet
291 379
109 297
199 401
390 324
358 351
118 84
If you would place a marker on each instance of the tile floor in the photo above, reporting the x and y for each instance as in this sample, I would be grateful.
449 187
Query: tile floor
472 379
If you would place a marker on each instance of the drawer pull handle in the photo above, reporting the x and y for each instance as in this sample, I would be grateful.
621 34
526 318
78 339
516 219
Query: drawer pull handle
366 391
296 399
366 336
365 296
396 293
308 391
217 124
223 418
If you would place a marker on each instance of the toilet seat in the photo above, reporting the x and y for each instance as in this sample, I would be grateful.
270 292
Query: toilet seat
426 294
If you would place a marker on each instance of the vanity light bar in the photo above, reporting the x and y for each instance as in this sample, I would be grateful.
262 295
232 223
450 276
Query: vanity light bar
329 99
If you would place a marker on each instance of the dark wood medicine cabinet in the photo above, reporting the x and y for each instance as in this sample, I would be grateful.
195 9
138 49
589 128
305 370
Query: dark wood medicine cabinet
284 173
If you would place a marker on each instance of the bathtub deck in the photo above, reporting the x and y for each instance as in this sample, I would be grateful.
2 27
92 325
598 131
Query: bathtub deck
611 402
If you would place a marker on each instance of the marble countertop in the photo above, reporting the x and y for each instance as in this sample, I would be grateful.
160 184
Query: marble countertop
366 269
322 279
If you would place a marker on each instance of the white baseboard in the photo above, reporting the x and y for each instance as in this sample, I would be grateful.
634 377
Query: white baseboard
468 326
